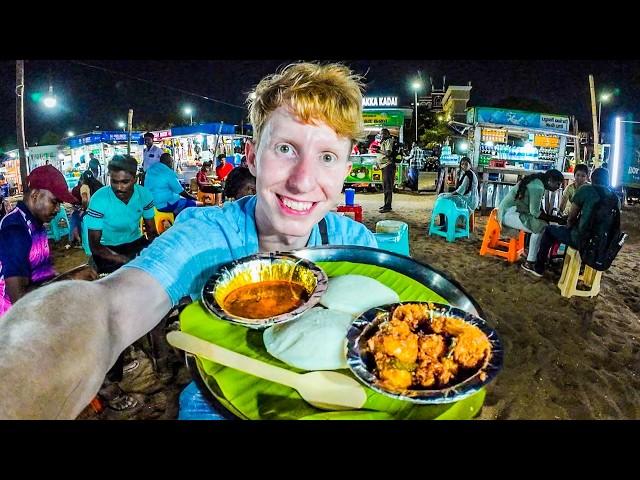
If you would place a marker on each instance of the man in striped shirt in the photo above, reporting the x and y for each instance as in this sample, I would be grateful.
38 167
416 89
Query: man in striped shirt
416 163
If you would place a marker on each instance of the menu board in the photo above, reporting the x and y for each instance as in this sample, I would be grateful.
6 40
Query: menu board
546 141
494 135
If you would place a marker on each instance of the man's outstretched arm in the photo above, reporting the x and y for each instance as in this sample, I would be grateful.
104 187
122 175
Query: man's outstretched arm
58 342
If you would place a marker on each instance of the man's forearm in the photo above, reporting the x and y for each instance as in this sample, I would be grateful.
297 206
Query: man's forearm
107 254
55 351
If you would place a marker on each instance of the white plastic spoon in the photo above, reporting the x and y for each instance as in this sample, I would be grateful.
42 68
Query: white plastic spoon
322 389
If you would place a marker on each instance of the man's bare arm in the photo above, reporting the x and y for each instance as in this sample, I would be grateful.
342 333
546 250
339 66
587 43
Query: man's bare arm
59 341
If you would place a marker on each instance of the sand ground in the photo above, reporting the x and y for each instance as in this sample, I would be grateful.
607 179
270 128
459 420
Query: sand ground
565 358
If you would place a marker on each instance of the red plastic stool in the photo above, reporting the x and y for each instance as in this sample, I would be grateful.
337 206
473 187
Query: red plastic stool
355 209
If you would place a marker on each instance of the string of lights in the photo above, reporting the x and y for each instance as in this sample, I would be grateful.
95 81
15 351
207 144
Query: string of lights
186 92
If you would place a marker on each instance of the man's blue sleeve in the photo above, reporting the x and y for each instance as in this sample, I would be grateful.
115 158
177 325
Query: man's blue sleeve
15 245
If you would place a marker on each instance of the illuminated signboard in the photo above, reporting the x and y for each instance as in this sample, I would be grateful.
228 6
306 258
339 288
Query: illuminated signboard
390 118
546 141
380 101
159 135
518 118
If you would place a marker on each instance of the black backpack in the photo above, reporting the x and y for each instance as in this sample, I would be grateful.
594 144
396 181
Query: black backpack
602 239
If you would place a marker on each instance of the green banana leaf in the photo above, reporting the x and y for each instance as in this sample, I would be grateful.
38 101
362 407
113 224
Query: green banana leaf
250 397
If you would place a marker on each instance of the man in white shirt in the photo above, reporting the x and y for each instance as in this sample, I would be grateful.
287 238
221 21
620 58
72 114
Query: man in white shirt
152 153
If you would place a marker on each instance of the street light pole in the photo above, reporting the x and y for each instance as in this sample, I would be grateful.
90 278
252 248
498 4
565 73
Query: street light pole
596 160
415 98
416 85
22 154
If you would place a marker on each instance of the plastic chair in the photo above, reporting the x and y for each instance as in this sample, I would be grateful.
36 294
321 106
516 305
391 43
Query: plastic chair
570 277
161 219
356 210
58 231
493 245
452 214
206 198
393 236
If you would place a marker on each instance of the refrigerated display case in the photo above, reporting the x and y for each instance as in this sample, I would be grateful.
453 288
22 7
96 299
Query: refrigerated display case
505 145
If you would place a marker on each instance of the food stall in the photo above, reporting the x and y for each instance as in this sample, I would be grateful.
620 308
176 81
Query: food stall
365 171
197 143
104 145
505 145
56 155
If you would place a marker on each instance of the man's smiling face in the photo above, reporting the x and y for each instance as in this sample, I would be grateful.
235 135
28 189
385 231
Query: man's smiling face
300 169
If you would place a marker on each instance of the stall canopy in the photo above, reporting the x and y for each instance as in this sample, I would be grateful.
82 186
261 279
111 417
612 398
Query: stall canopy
205 129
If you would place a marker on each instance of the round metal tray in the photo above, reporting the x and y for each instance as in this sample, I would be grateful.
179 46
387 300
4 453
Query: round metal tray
433 279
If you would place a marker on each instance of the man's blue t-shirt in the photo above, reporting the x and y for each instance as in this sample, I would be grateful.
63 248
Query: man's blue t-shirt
184 257
119 221
163 184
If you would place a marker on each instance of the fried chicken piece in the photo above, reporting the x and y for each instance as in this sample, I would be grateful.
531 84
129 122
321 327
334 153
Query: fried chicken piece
395 378
411 313
471 348
396 327
431 346
404 348
427 372
448 371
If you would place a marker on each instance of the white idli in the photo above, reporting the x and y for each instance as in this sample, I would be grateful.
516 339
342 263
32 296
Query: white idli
315 341
355 294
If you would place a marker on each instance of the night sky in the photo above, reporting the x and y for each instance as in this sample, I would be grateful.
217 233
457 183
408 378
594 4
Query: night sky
89 97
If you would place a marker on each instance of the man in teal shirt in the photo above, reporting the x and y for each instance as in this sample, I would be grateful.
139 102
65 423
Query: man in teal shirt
114 214
306 119
168 194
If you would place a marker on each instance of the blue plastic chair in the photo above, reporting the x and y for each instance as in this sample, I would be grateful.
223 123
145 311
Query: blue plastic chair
56 231
452 214
393 236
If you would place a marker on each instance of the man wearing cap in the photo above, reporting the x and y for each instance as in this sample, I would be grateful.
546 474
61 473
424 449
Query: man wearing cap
25 260
152 153
113 217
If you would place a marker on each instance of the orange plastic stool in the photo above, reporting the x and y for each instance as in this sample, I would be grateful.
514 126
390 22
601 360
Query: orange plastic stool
207 198
491 241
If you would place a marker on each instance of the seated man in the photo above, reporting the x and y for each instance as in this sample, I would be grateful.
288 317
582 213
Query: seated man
113 217
582 206
25 260
522 209
162 181
306 120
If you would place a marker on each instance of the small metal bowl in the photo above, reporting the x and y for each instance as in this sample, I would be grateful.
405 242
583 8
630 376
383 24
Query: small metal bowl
263 267
362 364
